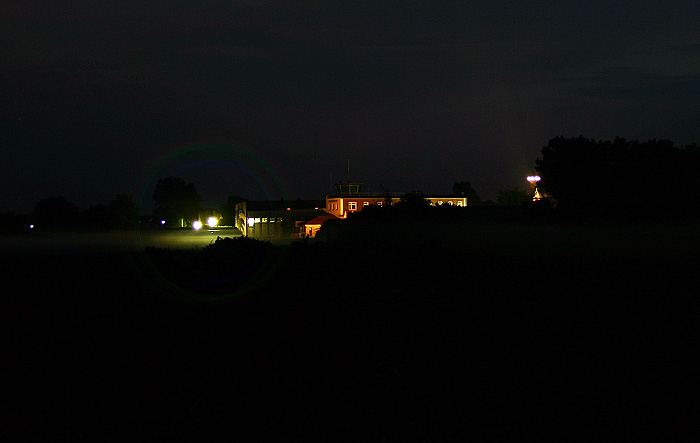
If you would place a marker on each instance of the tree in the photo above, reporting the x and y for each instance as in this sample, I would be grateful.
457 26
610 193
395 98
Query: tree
121 213
228 209
572 171
56 212
513 197
413 200
97 216
620 176
177 201
124 212
464 189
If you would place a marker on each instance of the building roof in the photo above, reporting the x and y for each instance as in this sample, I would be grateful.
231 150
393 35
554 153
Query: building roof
293 213
282 205
320 219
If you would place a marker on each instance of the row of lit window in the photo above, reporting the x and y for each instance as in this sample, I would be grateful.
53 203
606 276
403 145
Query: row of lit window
252 221
440 203
352 206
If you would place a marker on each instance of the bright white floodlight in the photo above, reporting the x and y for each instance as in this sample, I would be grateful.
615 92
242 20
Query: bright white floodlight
212 221
533 179
197 225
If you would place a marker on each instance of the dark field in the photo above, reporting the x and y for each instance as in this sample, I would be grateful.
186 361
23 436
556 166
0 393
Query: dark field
471 332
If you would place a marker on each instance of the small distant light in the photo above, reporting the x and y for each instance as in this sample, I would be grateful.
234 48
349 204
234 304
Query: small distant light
212 221
31 226
533 178
289 209
162 222
197 225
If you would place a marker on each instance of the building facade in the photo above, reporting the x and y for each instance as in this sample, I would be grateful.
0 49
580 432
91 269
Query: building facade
312 226
302 218
275 219
349 198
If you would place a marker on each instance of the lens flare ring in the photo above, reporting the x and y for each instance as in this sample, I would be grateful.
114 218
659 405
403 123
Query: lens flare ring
253 176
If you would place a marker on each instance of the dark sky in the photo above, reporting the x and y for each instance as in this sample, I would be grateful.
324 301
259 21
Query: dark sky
272 98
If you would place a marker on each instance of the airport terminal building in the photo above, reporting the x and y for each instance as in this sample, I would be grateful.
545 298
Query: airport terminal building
301 218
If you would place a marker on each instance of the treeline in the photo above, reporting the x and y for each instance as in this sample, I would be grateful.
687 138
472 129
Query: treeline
621 177
177 202
58 213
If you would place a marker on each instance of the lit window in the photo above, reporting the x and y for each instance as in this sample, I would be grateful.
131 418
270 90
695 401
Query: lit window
365 204
379 203
352 206
264 219
459 203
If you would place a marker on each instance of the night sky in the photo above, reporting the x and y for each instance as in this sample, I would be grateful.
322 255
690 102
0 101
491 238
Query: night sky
270 99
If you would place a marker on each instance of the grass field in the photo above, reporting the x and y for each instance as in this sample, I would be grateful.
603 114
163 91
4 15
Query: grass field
565 332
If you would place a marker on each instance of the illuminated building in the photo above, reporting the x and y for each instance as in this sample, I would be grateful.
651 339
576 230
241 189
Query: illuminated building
349 198
276 219
299 218
312 226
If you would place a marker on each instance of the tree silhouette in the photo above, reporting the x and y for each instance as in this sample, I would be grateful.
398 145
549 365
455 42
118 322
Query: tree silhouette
228 209
413 200
124 212
177 201
620 176
513 197
464 189
56 212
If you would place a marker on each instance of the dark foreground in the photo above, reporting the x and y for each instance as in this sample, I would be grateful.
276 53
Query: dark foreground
505 334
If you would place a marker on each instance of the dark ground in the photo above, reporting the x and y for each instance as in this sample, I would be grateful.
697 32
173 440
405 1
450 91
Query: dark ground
500 333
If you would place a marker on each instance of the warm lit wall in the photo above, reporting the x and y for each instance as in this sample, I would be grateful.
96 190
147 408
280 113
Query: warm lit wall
439 201
311 230
334 206
342 206
268 227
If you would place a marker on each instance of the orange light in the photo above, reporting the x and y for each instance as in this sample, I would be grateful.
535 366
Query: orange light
537 195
